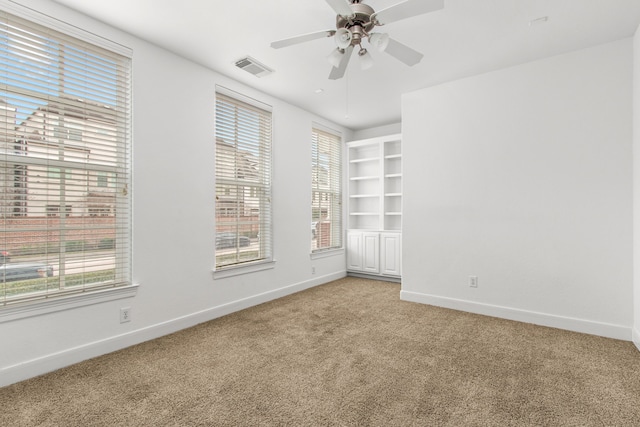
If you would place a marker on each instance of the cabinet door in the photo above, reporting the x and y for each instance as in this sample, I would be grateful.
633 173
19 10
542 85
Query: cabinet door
390 253
371 252
354 251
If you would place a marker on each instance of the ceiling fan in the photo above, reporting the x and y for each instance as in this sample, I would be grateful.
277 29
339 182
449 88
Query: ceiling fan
356 22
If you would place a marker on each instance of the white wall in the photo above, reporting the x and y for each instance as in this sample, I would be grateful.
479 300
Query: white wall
523 178
385 130
636 185
173 194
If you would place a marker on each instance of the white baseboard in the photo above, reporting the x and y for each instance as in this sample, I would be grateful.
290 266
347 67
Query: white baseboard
561 322
636 337
52 362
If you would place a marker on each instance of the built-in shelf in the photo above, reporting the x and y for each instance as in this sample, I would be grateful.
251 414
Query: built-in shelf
375 206
375 184
361 178
368 159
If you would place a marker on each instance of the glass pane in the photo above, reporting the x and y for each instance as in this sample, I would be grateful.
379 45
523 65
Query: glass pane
63 163
242 182
326 184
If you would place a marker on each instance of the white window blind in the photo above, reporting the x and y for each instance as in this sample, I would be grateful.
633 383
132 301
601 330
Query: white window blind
243 182
64 164
326 190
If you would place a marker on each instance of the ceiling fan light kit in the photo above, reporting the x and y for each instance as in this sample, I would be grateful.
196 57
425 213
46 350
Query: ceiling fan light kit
354 23
379 40
366 61
343 38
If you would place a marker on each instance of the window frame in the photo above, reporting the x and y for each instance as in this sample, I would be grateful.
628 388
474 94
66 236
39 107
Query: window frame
124 287
335 192
264 186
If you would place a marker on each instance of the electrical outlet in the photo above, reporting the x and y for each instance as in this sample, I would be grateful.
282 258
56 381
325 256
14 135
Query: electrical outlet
125 314
473 281
313 270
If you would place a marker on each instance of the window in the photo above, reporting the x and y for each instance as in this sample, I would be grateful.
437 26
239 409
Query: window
54 210
243 180
55 173
102 179
64 122
326 190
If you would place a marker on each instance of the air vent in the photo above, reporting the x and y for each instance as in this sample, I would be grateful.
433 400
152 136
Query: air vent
254 67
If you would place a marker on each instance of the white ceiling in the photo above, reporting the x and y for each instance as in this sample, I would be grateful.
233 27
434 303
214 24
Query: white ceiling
467 37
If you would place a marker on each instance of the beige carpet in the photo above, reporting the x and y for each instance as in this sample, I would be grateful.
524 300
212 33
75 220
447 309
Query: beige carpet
348 353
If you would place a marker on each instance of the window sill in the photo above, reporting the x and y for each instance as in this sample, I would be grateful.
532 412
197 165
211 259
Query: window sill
243 269
21 311
327 253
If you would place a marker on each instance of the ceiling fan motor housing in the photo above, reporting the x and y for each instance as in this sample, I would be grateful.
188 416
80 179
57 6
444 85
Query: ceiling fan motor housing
359 23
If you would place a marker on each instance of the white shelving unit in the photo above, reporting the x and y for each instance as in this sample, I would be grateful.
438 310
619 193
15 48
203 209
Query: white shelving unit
375 206
364 186
392 150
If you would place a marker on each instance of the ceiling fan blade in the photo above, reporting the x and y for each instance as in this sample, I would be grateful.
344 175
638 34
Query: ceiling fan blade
341 7
403 53
338 72
406 9
302 38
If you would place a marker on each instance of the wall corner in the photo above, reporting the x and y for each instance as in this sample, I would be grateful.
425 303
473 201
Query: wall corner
636 188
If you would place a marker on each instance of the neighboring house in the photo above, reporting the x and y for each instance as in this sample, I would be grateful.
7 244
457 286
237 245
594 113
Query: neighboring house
320 197
39 184
235 201
49 135
11 177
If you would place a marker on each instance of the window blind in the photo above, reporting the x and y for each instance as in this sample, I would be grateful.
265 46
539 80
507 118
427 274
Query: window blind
326 190
243 182
64 164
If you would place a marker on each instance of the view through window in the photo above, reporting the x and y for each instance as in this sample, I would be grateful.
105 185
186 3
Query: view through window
243 181
326 190
64 164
